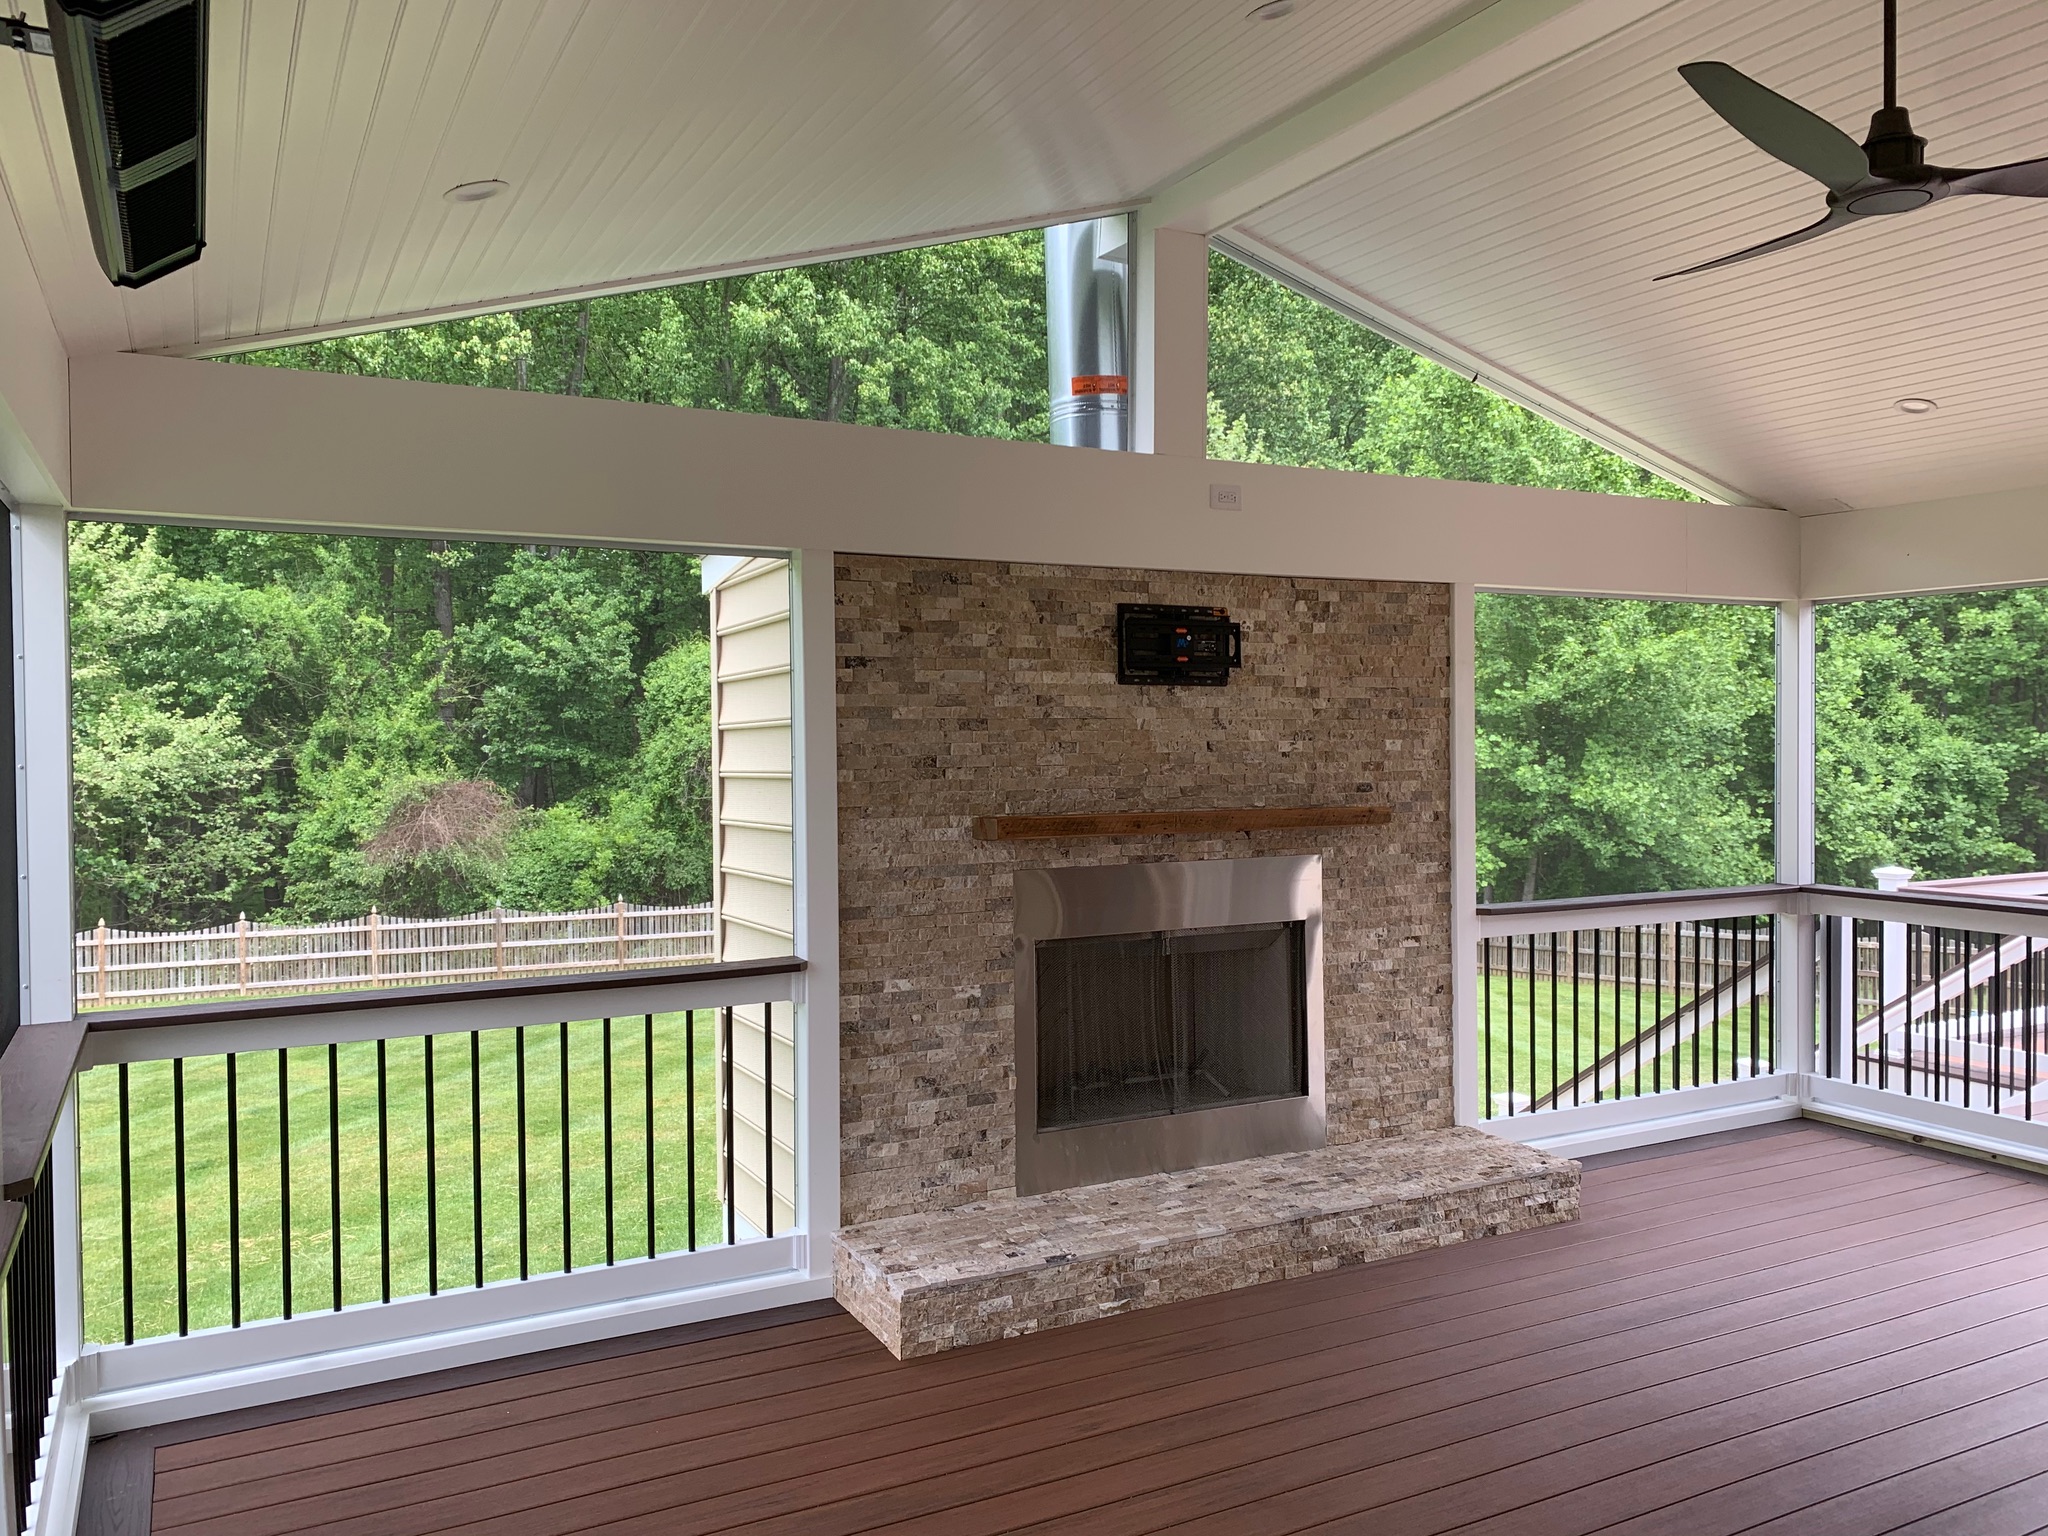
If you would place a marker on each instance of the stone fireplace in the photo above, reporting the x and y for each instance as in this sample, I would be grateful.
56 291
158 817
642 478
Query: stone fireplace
1266 1089
1168 1015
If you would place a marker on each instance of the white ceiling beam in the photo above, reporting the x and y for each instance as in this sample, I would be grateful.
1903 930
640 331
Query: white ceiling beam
1485 51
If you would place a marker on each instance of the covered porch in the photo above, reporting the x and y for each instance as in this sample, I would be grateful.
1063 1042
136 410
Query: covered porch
1797 1328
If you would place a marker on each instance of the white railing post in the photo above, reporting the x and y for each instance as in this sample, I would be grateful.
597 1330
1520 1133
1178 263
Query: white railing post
1794 954
1464 831
242 952
373 944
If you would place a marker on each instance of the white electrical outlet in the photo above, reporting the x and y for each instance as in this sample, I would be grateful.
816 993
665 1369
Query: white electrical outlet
1226 498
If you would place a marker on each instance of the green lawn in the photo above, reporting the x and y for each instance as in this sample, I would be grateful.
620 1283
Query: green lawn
1525 1058
154 1174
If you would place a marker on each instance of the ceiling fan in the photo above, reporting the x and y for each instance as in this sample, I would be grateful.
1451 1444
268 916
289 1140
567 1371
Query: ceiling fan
1887 174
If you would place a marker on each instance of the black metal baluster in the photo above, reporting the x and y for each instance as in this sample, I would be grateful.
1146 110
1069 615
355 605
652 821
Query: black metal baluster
731 1166
1553 1028
1912 940
690 1111
234 1192
1994 1002
178 1157
2027 993
1760 933
768 1111
611 1228
1576 1028
1486 1028
1510 1033
647 1146
562 1061
127 1219
334 1168
2027 997
1533 1021
383 1171
1698 959
476 1156
1637 1039
284 1174
519 1049
1657 1045
433 1182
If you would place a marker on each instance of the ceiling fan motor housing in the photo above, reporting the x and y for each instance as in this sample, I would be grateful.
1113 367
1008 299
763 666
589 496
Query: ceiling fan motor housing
1896 152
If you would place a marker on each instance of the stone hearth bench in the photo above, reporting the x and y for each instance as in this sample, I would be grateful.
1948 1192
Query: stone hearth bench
987 1271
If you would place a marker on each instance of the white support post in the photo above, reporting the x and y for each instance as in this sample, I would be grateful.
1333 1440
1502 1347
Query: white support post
43 767
1170 352
815 747
1464 742
1792 987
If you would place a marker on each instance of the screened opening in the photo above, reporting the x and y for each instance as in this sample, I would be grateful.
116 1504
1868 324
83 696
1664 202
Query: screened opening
313 762
1292 381
1622 745
1931 736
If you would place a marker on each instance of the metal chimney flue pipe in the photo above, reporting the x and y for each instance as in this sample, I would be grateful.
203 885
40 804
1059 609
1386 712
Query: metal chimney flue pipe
1087 284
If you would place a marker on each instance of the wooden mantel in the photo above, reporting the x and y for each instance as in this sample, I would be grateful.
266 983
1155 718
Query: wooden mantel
1009 829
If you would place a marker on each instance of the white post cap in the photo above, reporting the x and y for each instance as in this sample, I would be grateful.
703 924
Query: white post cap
1891 876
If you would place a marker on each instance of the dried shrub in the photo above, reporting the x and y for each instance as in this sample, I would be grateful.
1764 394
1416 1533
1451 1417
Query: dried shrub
468 819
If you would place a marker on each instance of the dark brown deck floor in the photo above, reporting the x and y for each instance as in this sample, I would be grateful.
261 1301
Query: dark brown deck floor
1808 1332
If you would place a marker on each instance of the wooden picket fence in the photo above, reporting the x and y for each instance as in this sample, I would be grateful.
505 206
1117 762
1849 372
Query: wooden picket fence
117 968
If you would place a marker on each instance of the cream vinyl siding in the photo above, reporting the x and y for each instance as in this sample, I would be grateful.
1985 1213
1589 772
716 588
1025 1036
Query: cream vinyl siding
753 855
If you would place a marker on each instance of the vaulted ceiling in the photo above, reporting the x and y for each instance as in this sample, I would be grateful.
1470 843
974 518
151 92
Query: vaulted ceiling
650 137
1526 229
1512 225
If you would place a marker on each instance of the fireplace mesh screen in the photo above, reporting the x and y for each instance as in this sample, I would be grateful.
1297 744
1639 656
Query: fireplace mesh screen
1136 1025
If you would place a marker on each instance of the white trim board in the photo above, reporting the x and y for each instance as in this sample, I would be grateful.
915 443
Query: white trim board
121 1403
1615 1124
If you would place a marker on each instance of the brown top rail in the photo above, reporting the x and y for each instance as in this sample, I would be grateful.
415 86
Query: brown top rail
1925 908
1556 905
396 997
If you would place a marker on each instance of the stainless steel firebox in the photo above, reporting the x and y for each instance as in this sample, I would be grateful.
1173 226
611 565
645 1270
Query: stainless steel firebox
1168 1016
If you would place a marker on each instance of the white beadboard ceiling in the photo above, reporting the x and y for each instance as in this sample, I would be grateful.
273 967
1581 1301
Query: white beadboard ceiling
1523 232
645 138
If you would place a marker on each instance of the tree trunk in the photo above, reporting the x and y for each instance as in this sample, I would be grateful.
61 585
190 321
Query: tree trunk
444 620
1529 880
582 358
835 390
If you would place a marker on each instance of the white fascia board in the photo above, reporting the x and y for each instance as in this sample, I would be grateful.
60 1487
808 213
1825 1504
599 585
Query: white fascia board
1475 56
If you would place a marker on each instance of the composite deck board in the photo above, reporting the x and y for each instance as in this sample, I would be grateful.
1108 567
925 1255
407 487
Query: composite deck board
1831 1332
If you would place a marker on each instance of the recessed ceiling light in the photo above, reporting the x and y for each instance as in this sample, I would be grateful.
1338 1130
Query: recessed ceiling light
1915 405
1272 10
476 191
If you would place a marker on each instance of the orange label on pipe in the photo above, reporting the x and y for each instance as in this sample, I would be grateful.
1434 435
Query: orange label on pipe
1101 384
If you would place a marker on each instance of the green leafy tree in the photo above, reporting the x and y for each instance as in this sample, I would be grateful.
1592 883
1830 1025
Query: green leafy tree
1932 735
1622 746
1293 382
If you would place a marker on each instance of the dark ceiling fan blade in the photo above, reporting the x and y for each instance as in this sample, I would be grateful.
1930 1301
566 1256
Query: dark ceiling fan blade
1778 127
1835 219
2026 178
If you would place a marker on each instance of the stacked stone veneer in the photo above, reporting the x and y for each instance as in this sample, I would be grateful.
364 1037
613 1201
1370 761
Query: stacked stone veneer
923 1284
971 688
